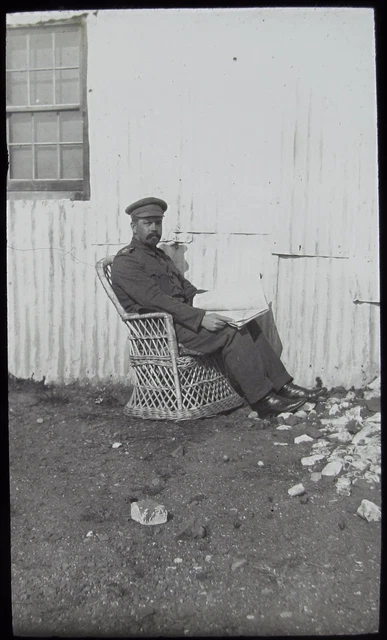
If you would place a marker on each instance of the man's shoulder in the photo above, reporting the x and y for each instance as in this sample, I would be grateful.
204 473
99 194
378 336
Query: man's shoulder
125 251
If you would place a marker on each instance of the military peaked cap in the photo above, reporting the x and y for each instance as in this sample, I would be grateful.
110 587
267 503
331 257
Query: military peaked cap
147 208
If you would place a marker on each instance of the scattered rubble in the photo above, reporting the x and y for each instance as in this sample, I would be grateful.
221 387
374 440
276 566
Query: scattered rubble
311 460
303 438
343 486
148 512
369 511
332 468
297 490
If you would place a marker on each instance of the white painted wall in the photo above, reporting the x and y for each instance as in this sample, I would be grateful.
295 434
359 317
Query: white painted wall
268 154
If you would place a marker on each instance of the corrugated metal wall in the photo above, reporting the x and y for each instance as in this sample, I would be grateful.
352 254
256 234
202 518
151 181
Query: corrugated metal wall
259 129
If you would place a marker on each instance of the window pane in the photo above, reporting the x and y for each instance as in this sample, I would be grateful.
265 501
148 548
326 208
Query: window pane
67 48
46 162
41 50
20 163
46 127
20 127
67 87
41 87
72 161
71 126
16 51
17 88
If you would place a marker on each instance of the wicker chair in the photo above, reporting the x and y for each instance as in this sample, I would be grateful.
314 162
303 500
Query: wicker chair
171 383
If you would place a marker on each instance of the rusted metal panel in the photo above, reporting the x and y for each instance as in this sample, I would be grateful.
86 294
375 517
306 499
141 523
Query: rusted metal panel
253 147
61 324
210 260
323 331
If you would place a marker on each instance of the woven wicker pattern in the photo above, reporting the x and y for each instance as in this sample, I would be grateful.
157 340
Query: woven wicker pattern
168 385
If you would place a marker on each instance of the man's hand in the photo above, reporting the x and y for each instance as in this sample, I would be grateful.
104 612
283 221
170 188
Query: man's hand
214 321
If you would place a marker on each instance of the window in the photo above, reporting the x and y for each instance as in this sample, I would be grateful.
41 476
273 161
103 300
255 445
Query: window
46 110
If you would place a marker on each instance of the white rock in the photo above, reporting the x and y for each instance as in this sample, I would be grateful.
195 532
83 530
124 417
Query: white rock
364 435
284 415
340 451
335 422
344 405
332 468
116 445
334 410
369 395
148 512
297 490
303 438
89 534
321 444
361 465
351 395
301 414
283 427
309 461
312 413
376 468
330 401
309 406
375 384
375 418
354 414
369 511
315 476
178 560
343 486
281 444
340 436
252 414
371 477
39 420
260 463
371 452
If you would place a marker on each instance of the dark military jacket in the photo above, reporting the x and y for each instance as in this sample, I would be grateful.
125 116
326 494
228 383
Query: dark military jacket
146 280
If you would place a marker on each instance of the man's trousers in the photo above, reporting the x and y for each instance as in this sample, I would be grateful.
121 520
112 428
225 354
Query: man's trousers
251 365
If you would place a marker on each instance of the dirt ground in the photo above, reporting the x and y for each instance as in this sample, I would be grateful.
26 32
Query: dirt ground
82 567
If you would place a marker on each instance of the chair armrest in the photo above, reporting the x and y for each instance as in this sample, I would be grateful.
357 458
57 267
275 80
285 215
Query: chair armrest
143 316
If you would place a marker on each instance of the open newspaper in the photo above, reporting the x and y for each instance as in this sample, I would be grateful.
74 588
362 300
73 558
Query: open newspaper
235 301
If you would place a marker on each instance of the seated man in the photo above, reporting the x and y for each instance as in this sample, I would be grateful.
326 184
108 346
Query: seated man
144 278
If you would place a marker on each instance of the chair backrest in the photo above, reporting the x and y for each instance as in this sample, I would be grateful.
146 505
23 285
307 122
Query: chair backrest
104 271
150 334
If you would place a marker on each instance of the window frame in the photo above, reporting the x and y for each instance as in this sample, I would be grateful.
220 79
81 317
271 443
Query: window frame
73 189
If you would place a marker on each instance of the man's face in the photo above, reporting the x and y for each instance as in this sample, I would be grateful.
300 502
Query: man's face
148 230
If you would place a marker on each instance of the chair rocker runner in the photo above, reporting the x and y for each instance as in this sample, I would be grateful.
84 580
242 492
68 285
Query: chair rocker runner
171 383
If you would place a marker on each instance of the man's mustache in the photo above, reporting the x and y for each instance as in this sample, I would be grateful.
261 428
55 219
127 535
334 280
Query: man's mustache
153 235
